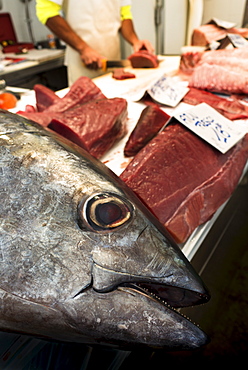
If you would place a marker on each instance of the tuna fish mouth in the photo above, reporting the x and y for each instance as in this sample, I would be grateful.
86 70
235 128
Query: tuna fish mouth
169 295
165 292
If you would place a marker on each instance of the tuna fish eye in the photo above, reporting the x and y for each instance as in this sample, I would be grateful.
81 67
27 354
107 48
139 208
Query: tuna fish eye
104 212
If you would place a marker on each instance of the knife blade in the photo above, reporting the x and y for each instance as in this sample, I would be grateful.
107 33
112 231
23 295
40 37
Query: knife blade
115 63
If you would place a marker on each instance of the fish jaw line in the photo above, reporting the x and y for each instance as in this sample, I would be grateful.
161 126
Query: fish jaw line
175 313
157 288
148 315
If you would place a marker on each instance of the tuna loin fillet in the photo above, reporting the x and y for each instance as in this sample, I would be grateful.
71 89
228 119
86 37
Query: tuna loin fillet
183 180
84 115
95 126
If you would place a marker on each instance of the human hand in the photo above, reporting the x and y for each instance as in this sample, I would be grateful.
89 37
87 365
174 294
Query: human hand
143 45
91 58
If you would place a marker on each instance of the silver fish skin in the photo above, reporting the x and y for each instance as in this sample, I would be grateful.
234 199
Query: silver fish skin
81 258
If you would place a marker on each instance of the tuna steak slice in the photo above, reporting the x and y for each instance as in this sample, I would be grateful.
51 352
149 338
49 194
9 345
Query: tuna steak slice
121 74
143 59
95 126
183 180
151 120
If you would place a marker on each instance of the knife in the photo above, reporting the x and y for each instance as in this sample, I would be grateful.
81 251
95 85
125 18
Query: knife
115 63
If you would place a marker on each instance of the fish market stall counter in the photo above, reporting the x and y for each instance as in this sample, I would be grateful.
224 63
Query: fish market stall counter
78 268
133 90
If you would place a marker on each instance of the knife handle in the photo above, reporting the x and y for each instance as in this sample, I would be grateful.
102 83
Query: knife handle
104 65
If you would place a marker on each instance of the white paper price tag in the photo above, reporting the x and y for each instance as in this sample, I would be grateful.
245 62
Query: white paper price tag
138 88
211 126
221 23
237 40
168 92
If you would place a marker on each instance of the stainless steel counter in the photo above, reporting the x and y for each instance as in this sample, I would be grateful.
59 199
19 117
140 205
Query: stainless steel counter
35 63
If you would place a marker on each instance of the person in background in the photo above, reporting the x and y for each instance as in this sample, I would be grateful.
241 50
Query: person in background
91 31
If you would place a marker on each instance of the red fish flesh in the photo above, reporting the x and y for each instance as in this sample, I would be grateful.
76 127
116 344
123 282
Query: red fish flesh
143 59
151 120
182 179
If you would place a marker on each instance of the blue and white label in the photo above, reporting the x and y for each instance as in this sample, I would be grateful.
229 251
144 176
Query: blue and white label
237 40
168 92
212 126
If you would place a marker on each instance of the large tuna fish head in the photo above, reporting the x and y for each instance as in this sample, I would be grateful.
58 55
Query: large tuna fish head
81 259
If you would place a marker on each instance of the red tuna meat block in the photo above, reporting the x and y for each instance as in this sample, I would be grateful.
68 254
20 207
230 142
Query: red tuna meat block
231 109
151 120
95 126
143 59
82 91
44 97
207 33
121 74
183 180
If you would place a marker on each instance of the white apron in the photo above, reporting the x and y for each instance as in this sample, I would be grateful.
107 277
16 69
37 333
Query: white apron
98 23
